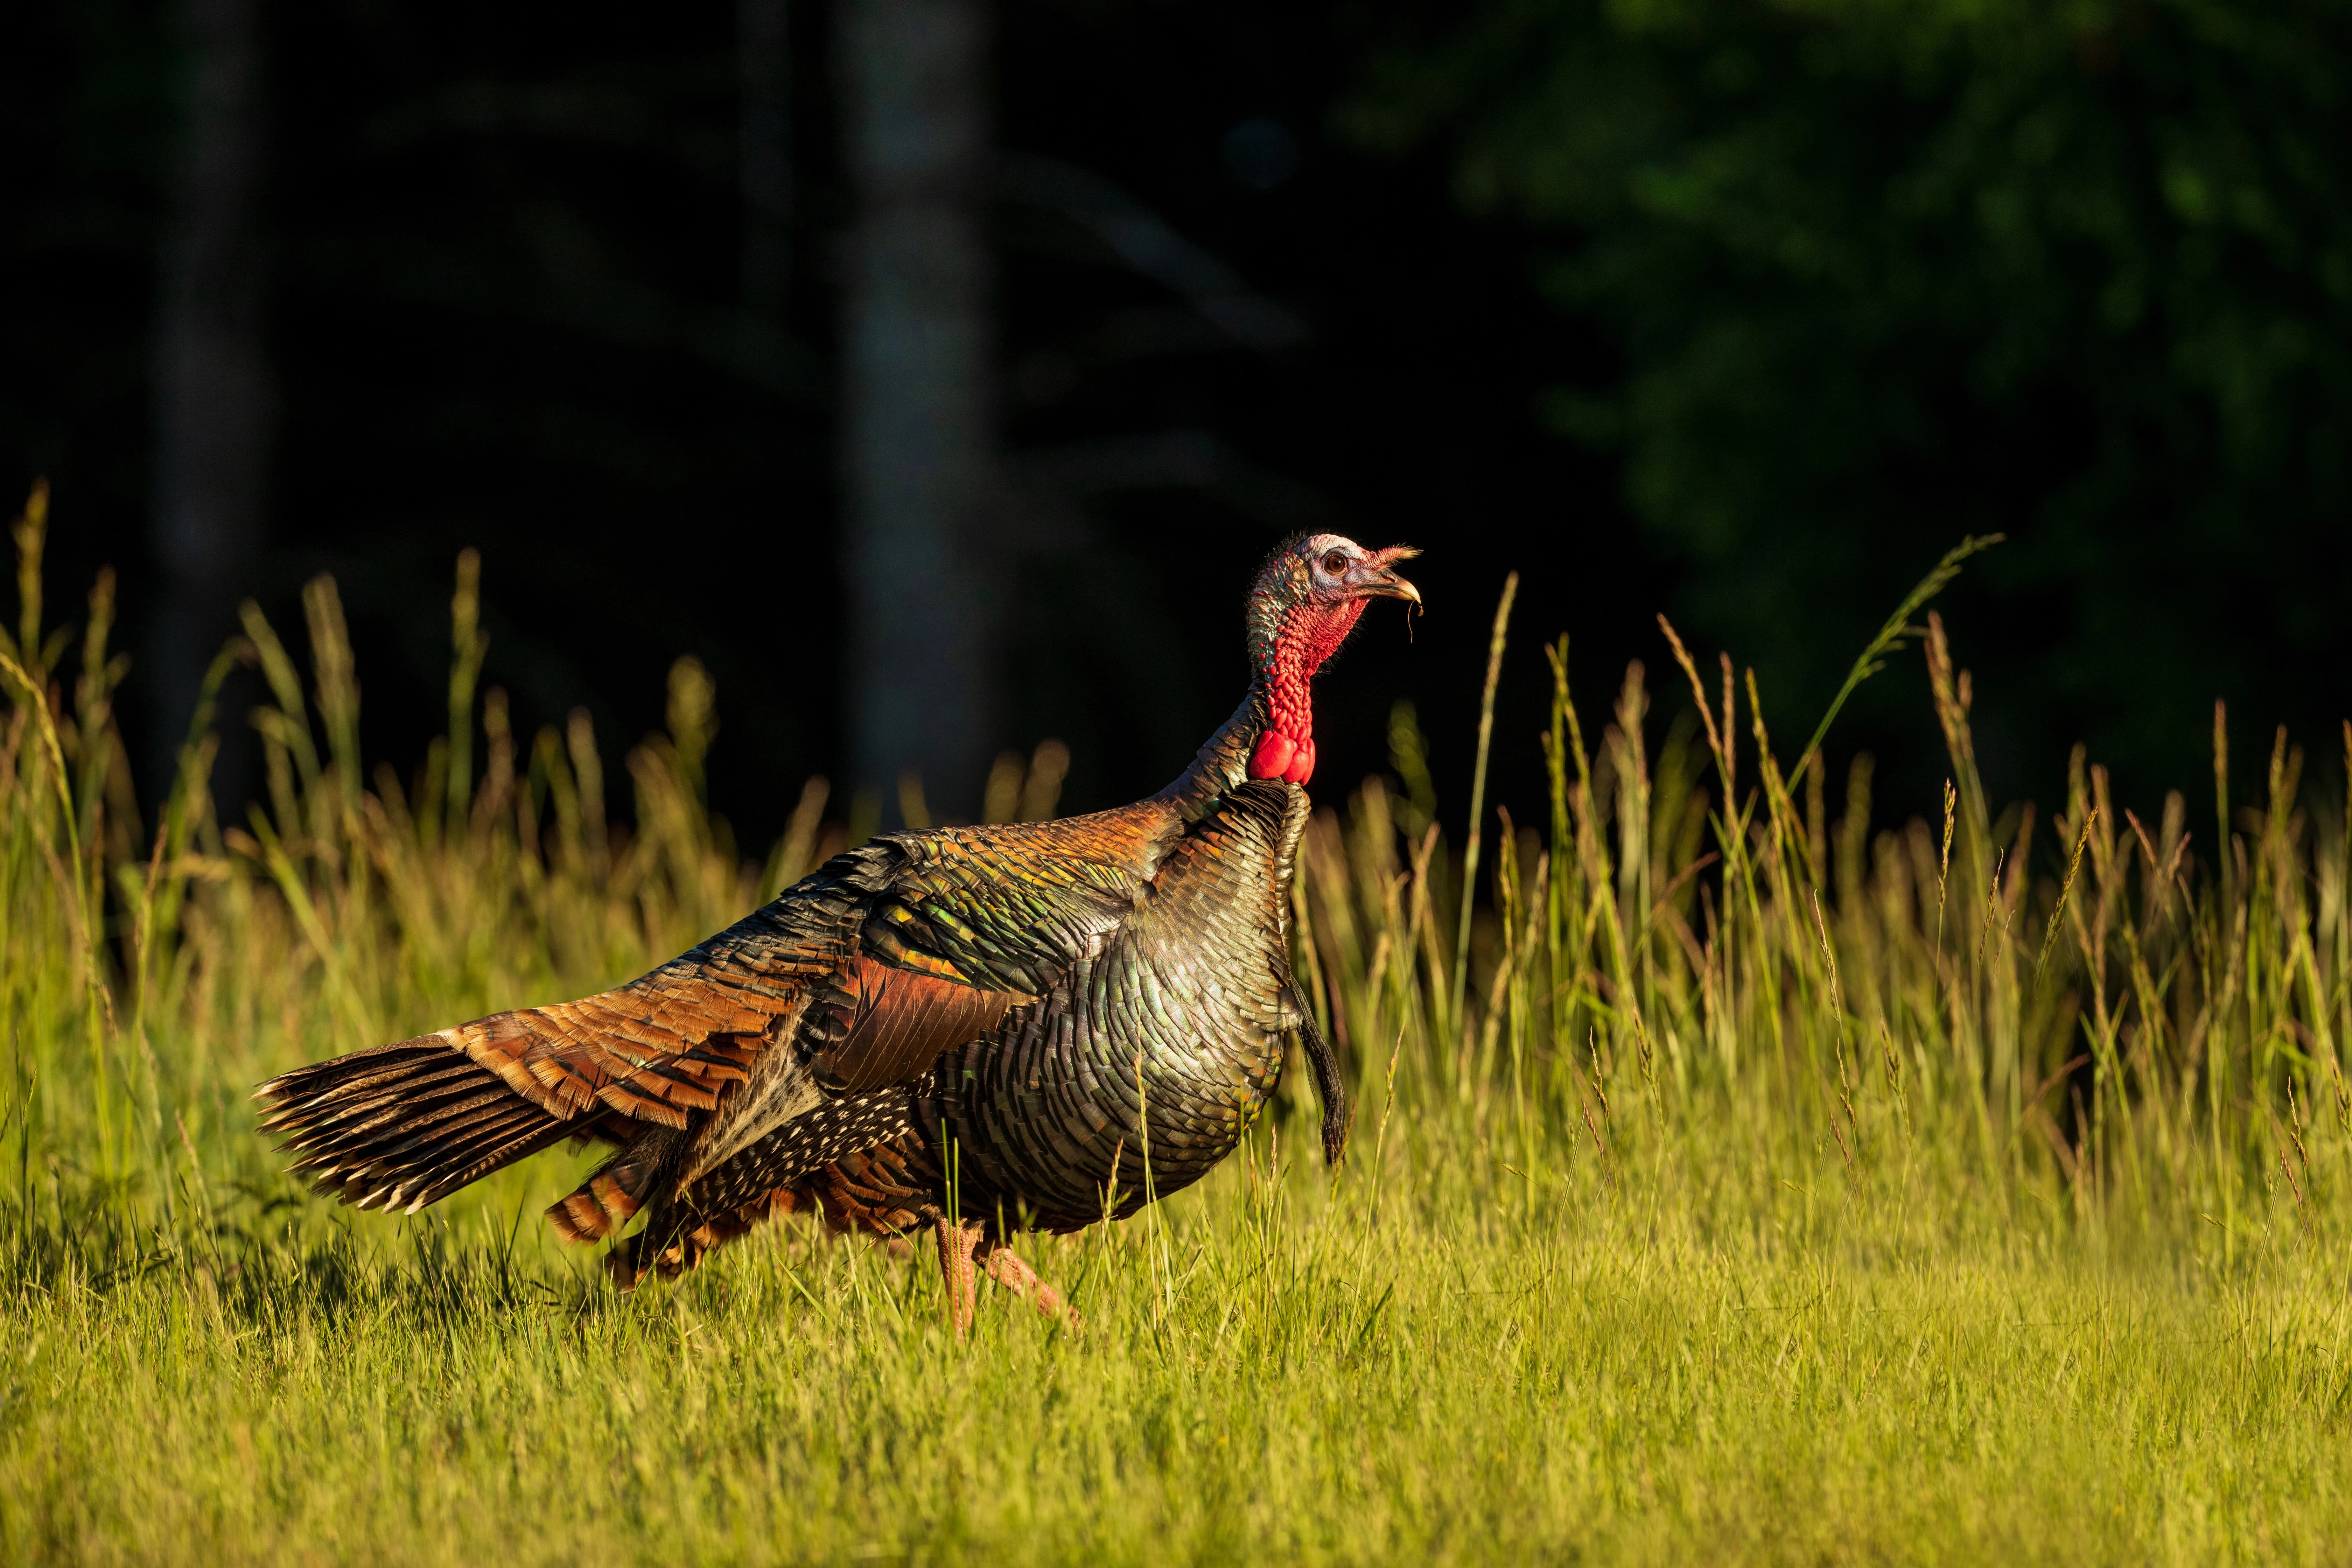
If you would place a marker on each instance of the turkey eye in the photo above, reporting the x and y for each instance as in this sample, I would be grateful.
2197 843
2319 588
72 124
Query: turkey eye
1335 563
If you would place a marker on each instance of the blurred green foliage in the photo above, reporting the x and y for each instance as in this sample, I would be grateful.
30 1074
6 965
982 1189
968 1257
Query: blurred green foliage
1883 274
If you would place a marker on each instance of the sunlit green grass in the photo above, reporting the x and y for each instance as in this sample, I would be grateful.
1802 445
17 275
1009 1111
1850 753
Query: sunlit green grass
1714 1364
1757 1212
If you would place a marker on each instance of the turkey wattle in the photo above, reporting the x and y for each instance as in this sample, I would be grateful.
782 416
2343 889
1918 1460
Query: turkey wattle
1029 1007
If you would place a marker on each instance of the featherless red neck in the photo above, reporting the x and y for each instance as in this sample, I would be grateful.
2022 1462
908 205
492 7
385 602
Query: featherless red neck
1310 633
1307 599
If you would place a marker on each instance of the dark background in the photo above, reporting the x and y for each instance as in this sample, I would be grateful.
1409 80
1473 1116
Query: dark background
1742 311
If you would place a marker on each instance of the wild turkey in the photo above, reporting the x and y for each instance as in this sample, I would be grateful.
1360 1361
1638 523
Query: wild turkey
971 1029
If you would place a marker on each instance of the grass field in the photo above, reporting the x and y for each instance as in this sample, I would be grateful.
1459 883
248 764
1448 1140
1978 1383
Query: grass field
1752 1182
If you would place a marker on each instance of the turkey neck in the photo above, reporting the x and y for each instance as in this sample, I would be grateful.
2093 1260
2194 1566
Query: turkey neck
1307 637
1280 701
1223 765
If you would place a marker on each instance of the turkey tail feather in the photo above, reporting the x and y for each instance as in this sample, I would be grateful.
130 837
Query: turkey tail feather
1330 1083
404 1125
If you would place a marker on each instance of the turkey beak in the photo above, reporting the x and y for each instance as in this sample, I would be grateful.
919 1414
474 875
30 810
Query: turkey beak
1373 578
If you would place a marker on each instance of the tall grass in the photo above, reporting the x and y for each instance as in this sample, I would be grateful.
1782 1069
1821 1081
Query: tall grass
1729 1176
2127 1034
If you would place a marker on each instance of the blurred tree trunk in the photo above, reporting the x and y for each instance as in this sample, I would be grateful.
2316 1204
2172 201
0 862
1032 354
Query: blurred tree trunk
764 154
213 396
918 464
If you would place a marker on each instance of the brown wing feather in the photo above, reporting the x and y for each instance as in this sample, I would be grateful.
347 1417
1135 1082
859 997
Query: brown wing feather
653 1063
670 1043
398 1126
893 1023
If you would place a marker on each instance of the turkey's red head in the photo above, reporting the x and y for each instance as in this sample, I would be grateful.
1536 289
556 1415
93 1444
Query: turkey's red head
1306 600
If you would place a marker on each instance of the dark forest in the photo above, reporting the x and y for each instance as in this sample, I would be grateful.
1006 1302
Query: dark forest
1742 312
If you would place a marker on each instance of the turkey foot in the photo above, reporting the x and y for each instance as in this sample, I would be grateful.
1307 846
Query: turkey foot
965 1252
1006 1267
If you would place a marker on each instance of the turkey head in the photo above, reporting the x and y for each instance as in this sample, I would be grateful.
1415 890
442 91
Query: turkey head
1308 598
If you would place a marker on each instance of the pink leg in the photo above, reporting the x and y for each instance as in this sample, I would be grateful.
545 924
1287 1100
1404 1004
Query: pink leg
1008 1270
956 1244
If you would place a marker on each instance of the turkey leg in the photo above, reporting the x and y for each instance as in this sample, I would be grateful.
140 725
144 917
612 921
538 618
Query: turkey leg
957 1243
1007 1270
965 1252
